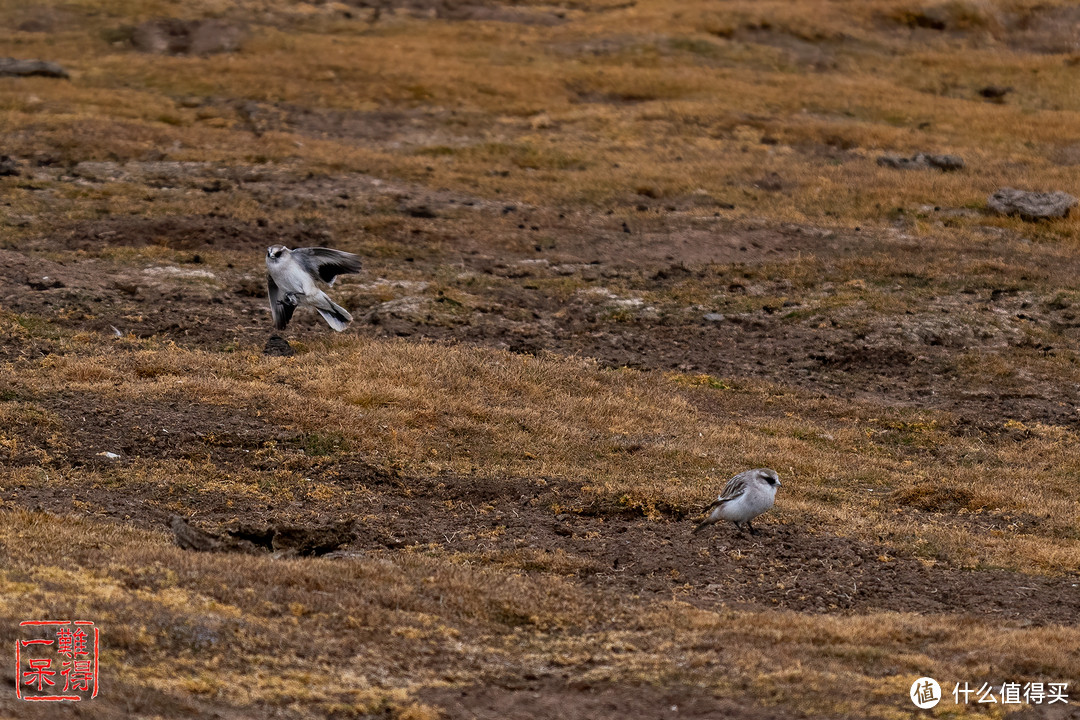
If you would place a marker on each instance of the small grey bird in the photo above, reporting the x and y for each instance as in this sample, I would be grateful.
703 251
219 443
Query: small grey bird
745 496
290 282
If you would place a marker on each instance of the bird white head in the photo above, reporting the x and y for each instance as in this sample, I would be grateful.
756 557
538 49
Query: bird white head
275 252
769 476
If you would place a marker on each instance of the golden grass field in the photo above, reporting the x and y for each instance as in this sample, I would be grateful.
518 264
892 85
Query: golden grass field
615 252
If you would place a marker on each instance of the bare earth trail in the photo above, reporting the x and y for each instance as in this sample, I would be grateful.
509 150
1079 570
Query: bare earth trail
684 293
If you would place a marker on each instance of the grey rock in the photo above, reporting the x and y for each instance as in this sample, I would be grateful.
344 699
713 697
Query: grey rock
44 283
192 538
99 171
173 36
946 163
1031 206
922 161
713 317
898 162
8 166
13 67
278 346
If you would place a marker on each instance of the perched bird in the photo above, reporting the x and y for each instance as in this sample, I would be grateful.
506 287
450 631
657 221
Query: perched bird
290 282
745 496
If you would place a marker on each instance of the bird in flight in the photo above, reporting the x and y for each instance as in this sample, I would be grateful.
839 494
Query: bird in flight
747 495
290 282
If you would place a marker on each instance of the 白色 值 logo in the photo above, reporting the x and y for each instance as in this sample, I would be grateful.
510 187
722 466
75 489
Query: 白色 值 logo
925 693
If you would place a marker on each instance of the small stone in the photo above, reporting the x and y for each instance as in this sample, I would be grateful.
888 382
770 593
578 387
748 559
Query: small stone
44 283
13 67
1031 206
896 162
714 317
922 161
278 346
995 92
945 163
8 166
420 211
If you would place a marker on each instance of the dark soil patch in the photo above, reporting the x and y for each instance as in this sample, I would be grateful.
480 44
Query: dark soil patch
79 429
817 53
784 566
277 346
213 309
848 357
182 232
819 359
465 10
1049 30
226 308
394 128
544 699
158 429
253 539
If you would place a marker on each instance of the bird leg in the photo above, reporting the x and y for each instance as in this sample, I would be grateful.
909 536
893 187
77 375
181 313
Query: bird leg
739 526
752 530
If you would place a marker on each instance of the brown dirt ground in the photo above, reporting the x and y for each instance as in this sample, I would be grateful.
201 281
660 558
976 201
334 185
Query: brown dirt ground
531 699
910 359
601 544
605 547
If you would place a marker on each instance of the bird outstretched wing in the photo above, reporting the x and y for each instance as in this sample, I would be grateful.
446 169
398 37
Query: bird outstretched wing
280 305
327 263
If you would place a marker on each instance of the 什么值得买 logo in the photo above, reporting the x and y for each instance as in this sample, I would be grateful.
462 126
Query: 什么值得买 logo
925 692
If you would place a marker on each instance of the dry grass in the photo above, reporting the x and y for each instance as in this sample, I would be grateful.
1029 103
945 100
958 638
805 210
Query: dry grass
634 440
682 108
213 628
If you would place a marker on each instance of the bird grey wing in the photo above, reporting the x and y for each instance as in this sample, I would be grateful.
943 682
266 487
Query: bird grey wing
280 307
327 263
734 489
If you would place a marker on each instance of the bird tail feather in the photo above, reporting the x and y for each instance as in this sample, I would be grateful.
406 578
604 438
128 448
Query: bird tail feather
703 524
335 316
